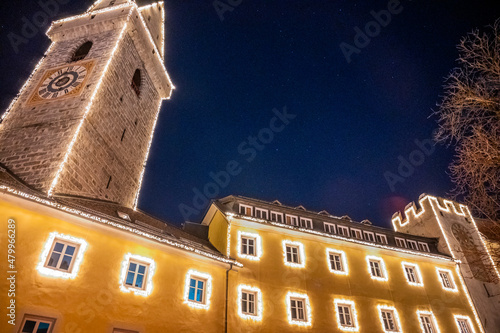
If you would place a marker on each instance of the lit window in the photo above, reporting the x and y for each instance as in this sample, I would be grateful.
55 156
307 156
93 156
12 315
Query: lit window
292 220
329 228
446 278
343 231
423 247
464 324
400 242
389 319
261 213
412 245
249 245
293 253
382 239
249 302
62 256
356 233
337 262
369 236
277 217
197 289
412 273
245 210
376 267
346 315
137 274
299 309
427 322
306 223
36 324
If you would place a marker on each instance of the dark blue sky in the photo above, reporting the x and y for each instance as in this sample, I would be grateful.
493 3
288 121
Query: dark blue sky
353 120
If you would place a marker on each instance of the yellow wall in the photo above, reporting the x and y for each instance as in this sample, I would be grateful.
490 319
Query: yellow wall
217 233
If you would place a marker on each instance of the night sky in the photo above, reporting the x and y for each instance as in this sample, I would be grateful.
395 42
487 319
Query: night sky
353 122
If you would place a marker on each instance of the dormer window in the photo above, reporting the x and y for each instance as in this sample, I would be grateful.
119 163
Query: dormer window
246 210
136 82
82 52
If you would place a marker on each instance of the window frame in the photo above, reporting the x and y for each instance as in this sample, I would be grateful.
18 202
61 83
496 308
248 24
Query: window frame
294 220
355 233
37 319
258 307
307 321
306 223
147 287
450 278
343 261
424 247
352 313
412 245
245 207
261 211
257 245
300 254
432 321
400 241
276 214
416 274
464 320
382 236
327 227
369 233
395 318
207 289
137 273
381 265
346 232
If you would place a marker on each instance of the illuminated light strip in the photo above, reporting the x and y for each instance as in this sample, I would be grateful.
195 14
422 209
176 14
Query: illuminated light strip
307 309
433 318
450 276
87 109
26 83
149 275
351 240
228 241
257 246
343 258
441 227
136 199
471 304
259 304
300 253
381 307
354 315
98 219
98 2
163 29
78 257
420 282
385 276
207 292
466 318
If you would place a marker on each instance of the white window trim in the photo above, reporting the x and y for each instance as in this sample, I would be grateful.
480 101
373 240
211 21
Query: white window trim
410 241
424 247
305 223
307 309
383 270
346 230
382 236
276 213
401 240
206 294
450 278
259 308
465 318
396 318
245 207
292 218
332 226
258 245
75 263
262 211
353 313
147 287
421 313
418 274
343 258
365 233
302 257
357 232
38 320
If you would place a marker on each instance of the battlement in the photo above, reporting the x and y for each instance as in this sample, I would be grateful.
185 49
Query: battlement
427 204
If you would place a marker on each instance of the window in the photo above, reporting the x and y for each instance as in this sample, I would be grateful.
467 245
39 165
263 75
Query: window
446 278
423 247
329 228
249 302
260 213
427 322
412 244
382 239
292 220
36 324
136 82
82 52
336 261
412 273
343 231
376 267
249 245
137 274
306 223
298 309
346 315
400 242
389 321
197 289
369 236
294 254
356 233
464 324
246 210
62 256
277 217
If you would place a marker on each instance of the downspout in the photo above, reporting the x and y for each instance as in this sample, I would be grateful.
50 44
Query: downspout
227 291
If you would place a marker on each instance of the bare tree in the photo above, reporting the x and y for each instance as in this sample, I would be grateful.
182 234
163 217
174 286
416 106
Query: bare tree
469 119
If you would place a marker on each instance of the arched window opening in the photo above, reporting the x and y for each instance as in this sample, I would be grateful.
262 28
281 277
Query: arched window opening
136 82
82 51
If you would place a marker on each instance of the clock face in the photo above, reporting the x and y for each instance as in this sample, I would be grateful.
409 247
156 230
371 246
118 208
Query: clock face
62 82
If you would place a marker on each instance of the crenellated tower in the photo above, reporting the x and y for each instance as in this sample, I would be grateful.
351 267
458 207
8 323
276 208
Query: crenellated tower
82 124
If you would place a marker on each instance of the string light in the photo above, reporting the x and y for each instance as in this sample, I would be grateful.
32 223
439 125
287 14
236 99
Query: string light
151 268
383 270
450 278
354 316
433 319
420 281
258 304
228 239
77 257
392 309
307 310
343 257
300 253
469 299
207 290
467 319
257 245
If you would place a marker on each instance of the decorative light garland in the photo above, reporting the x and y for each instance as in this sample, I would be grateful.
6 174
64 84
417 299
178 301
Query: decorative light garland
88 14
300 253
257 245
383 270
450 277
146 291
207 292
433 319
420 281
343 257
307 309
382 307
259 304
467 319
354 315
471 304
77 257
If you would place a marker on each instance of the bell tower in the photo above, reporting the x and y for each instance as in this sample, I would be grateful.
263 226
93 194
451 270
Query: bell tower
83 122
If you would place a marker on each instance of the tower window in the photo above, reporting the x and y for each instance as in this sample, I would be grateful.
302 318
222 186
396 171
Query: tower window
136 82
82 51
